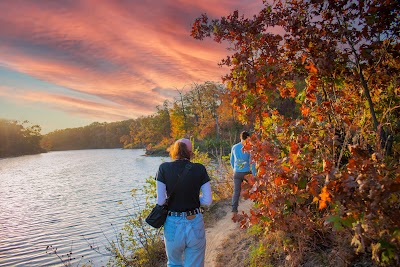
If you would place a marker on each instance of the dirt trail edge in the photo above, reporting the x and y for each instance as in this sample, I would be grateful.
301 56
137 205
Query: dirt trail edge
220 231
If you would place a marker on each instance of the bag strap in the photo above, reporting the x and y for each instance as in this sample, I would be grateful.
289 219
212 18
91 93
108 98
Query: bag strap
183 174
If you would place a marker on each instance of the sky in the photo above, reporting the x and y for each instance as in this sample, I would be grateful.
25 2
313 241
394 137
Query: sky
68 63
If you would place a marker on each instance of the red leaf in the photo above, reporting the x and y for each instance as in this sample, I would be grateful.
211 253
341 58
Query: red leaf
294 147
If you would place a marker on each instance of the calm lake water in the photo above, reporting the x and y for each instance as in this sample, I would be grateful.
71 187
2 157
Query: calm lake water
67 200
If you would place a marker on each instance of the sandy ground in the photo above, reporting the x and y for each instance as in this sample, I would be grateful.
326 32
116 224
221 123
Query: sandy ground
217 234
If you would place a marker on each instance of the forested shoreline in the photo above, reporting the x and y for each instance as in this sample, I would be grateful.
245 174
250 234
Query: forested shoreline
203 113
94 136
17 139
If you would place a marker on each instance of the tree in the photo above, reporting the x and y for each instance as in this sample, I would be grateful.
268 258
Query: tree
163 122
17 139
339 61
205 113
178 122
203 101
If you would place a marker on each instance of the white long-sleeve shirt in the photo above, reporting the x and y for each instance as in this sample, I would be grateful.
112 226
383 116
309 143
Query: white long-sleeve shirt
205 197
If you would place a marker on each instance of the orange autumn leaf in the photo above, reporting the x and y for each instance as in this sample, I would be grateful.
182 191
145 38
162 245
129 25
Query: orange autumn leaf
253 197
324 198
292 91
285 168
254 220
284 92
326 104
303 58
261 170
311 67
246 146
305 110
272 212
311 97
278 180
265 114
295 188
250 180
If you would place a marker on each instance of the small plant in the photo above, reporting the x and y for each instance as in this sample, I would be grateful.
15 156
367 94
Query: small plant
67 259
139 244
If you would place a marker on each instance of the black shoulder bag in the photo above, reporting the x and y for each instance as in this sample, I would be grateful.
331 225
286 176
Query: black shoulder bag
159 213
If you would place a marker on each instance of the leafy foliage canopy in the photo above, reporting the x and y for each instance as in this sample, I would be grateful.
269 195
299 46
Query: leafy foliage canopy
333 163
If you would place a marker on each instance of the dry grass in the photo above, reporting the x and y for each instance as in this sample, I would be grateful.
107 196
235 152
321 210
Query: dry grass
248 248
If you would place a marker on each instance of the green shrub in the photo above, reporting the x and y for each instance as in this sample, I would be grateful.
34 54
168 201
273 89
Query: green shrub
139 244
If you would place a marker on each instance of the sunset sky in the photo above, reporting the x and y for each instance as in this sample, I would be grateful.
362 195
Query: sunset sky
68 63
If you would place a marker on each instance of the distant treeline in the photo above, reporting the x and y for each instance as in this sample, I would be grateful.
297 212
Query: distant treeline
93 136
204 113
17 139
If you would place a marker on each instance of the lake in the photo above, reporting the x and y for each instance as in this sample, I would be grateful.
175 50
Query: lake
68 200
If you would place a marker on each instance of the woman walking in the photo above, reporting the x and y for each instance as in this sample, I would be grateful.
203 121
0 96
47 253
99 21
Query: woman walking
184 232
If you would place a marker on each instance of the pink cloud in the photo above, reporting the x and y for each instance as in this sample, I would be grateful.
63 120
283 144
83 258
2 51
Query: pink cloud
119 51
73 105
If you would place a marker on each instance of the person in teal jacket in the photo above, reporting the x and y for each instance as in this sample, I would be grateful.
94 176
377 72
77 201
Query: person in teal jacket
240 162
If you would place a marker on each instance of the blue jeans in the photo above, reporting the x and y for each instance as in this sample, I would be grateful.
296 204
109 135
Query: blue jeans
185 241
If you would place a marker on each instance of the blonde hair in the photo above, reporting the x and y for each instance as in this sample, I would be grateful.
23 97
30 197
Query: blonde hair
179 150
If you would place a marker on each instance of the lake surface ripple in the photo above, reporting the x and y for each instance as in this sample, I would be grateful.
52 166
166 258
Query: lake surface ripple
68 200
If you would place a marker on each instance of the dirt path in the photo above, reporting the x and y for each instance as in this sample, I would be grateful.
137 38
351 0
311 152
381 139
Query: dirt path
216 235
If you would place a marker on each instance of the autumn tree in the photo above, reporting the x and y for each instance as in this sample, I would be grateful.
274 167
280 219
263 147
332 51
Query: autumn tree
204 100
178 128
204 112
180 123
194 111
336 162
163 122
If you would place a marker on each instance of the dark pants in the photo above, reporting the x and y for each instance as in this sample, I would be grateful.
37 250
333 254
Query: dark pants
238 178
